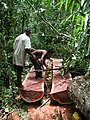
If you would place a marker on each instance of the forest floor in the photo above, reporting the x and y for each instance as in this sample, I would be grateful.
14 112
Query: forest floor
46 109
50 111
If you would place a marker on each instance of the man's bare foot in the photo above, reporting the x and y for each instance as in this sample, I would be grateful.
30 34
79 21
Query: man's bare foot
18 97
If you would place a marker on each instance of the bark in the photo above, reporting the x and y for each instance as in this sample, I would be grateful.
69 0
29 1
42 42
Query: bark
33 89
79 92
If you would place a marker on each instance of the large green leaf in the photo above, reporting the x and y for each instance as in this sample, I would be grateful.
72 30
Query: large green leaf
66 5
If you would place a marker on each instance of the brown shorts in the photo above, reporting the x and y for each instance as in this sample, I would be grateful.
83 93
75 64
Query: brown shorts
18 68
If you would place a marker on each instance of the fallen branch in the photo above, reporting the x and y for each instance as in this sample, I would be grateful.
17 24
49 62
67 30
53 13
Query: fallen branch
49 24
43 104
45 70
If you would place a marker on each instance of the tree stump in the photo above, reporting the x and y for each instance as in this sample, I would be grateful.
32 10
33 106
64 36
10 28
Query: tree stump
79 92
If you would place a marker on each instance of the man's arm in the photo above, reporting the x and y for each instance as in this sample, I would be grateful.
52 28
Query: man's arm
43 55
43 58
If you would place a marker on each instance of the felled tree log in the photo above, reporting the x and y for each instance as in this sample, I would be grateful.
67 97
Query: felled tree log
79 92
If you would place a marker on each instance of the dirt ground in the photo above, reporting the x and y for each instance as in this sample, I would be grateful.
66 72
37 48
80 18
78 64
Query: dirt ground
50 111
47 110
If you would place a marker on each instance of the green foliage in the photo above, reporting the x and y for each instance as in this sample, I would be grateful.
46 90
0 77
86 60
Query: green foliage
9 103
63 25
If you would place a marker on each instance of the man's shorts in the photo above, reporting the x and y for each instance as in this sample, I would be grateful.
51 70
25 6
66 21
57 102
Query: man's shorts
18 68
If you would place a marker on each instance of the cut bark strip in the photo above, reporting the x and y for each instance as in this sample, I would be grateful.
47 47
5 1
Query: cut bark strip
33 88
59 84
59 88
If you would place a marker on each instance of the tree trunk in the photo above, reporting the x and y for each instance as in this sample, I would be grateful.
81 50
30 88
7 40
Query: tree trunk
79 91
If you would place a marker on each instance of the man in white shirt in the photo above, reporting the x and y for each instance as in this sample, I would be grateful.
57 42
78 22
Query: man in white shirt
21 46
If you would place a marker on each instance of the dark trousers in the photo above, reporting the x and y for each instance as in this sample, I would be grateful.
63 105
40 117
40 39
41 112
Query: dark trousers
37 66
19 70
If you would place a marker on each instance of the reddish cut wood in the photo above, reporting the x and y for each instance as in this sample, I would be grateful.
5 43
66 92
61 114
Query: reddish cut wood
33 88
59 86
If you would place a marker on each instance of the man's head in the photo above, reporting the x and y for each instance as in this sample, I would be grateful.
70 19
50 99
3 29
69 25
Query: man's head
27 31
49 53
